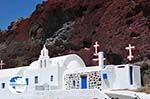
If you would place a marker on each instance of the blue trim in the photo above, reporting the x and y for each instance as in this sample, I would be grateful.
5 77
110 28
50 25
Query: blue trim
131 74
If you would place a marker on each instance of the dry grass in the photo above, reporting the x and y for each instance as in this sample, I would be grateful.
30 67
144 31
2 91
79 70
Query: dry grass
145 89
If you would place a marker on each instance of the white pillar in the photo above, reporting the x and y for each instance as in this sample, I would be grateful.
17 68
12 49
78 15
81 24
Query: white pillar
101 60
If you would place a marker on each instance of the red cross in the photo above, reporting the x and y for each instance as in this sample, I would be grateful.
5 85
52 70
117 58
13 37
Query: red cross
2 64
130 56
96 48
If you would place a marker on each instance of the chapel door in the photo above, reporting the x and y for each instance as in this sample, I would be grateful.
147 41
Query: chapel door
84 82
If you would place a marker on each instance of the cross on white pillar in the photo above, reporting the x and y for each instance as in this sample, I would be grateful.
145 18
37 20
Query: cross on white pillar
95 59
98 56
2 64
96 48
130 56
96 45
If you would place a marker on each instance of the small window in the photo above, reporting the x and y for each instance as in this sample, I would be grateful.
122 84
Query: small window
3 85
27 80
74 83
43 53
41 63
105 76
36 79
52 78
45 63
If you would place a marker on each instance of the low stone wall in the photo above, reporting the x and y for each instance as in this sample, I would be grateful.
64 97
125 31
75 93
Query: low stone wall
93 78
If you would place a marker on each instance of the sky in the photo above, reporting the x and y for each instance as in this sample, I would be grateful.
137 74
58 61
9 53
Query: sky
10 10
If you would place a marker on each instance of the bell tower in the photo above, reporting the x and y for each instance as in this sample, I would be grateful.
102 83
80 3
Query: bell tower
44 58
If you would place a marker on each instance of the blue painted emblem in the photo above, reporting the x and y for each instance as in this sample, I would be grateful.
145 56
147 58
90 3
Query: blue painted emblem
17 84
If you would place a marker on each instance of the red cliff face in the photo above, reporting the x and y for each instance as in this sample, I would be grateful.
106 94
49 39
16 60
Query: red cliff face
72 26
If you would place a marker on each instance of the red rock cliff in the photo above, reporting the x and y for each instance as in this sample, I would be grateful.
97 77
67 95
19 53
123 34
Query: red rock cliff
70 26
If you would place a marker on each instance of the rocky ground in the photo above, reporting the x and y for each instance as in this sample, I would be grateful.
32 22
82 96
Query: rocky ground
72 26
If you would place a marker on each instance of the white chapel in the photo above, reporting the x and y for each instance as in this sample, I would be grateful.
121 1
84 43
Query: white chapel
68 77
